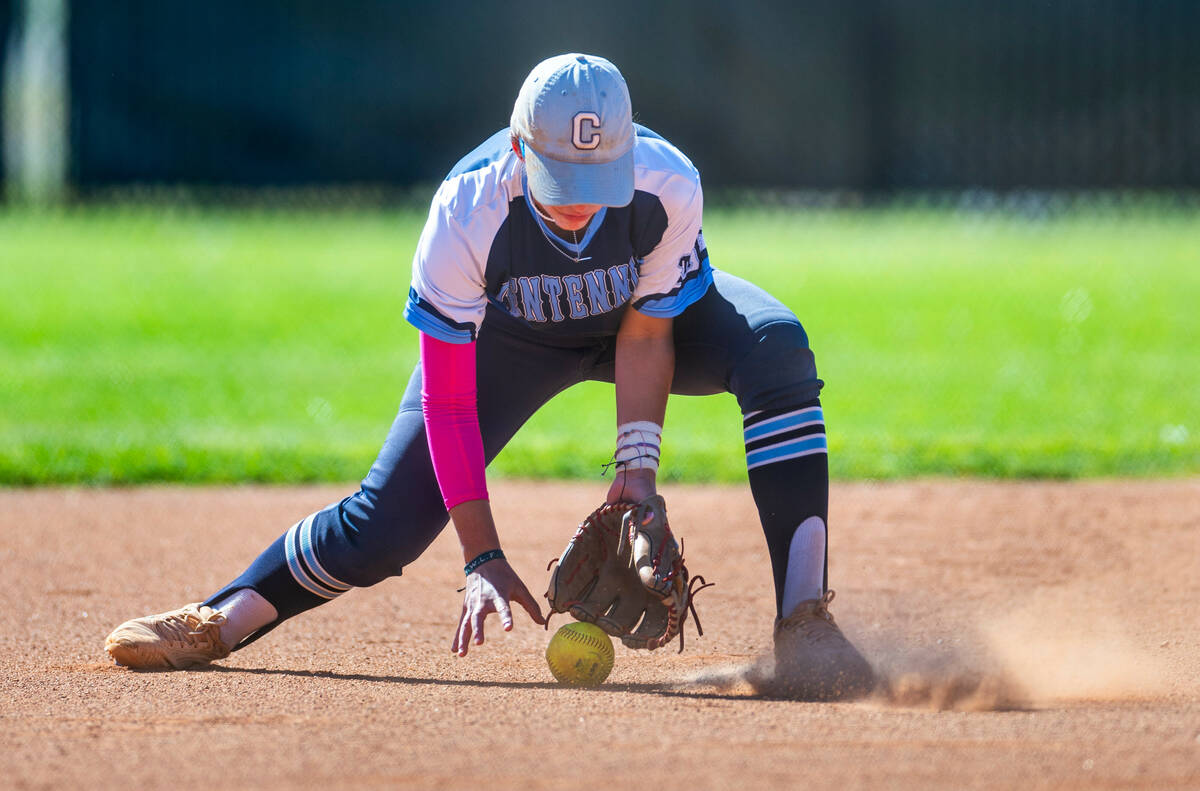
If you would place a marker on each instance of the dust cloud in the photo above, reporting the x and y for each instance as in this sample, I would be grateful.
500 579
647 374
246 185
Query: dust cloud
1058 648
1052 651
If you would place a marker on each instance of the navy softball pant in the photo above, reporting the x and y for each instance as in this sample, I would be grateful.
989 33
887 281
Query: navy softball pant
737 339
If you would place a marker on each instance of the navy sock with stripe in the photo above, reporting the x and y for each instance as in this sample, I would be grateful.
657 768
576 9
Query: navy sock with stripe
787 459
270 576
283 577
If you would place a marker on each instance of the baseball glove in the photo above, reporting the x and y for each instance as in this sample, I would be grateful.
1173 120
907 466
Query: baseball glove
624 572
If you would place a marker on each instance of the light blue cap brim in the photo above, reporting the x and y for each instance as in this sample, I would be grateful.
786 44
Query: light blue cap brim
557 183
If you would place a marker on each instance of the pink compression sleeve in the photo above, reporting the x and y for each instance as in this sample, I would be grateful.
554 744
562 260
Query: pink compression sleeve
452 419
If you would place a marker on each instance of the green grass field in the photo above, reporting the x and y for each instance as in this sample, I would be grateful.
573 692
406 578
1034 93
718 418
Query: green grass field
166 345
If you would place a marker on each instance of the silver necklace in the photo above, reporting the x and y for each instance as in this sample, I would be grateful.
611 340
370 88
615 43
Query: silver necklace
558 245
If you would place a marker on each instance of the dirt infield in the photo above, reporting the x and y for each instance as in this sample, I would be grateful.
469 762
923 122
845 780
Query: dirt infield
1033 635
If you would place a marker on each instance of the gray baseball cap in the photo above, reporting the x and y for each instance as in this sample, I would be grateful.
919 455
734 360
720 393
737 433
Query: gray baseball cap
575 121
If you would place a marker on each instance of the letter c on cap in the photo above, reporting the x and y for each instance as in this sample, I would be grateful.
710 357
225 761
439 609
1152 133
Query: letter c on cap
589 138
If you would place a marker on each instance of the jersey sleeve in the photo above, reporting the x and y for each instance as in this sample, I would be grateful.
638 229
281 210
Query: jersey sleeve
676 272
447 298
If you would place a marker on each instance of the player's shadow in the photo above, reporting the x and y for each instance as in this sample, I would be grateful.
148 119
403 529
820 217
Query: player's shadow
663 690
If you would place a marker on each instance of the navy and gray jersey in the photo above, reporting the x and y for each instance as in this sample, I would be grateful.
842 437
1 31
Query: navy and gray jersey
484 245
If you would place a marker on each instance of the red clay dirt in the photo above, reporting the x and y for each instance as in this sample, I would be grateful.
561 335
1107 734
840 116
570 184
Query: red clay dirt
1032 635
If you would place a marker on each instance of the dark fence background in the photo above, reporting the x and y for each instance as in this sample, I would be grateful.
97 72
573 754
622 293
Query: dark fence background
6 31
872 95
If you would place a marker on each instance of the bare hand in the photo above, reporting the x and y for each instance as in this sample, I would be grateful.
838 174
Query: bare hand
489 589
632 486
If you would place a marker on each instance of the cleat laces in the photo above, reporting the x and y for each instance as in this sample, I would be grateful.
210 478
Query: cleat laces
189 629
814 622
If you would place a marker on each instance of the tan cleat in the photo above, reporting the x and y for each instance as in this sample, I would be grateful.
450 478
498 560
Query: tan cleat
183 638
813 659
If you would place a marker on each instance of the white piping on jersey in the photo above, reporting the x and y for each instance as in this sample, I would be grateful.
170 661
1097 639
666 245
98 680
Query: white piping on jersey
450 262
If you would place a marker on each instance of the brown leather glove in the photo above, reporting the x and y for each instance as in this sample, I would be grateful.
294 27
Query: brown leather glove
624 572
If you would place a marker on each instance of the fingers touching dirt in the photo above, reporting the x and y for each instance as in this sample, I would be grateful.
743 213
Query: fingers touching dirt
490 589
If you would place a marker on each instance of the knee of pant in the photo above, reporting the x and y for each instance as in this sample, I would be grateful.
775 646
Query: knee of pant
360 543
364 566
778 371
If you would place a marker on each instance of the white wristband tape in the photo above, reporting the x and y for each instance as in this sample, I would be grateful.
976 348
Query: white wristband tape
639 425
638 445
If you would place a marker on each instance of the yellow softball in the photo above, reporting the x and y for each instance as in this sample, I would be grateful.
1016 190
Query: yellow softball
580 654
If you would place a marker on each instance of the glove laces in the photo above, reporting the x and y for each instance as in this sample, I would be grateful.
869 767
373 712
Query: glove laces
695 585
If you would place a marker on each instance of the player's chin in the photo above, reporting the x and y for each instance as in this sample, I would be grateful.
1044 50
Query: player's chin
575 223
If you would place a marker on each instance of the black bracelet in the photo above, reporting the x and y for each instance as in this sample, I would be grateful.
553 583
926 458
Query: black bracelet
491 554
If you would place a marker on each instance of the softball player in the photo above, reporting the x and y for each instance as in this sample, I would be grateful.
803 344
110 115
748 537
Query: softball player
565 248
